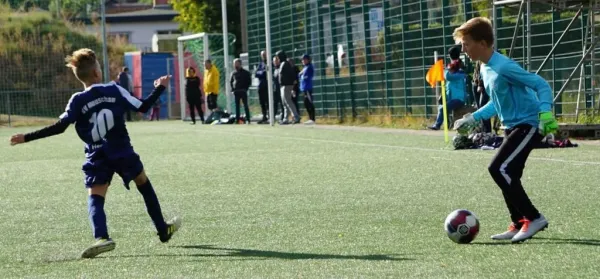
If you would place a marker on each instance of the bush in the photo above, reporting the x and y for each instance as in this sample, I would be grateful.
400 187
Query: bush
33 47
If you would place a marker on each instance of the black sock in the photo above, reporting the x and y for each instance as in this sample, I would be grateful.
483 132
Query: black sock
152 206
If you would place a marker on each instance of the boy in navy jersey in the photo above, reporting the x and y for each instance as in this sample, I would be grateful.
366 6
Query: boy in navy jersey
97 113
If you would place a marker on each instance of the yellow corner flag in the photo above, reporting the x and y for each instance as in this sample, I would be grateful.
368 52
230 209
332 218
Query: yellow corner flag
435 74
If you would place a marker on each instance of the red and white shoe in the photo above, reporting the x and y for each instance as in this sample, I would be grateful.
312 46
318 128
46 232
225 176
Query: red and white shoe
530 228
508 234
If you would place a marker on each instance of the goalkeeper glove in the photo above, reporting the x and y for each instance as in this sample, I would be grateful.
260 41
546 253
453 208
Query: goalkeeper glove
465 124
548 124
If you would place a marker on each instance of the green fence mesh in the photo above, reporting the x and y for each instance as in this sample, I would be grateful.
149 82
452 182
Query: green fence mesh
371 56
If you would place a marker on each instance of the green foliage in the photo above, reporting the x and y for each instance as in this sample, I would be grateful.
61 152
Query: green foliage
68 8
395 37
483 8
205 16
435 25
75 8
32 51
583 119
459 16
415 26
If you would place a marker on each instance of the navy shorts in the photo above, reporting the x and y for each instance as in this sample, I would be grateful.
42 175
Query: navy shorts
101 171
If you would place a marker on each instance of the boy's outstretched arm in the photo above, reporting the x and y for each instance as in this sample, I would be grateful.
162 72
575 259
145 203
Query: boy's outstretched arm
68 117
147 103
55 129
486 112
517 75
464 125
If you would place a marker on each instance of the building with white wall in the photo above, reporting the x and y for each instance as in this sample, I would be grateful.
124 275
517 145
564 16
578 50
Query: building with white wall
138 27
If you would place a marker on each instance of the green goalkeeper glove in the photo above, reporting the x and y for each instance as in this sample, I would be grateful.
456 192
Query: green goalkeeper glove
548 124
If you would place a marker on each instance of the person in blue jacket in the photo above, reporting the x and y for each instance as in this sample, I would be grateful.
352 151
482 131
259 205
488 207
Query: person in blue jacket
263 87
527 117
455 87
306 87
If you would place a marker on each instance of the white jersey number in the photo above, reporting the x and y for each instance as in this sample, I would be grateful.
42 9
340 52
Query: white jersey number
103 121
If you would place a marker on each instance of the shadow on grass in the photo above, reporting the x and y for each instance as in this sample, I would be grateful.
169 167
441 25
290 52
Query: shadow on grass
62 260
234 252
548 240
575 241
492 243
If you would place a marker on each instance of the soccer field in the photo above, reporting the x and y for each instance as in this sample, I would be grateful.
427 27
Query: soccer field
294 202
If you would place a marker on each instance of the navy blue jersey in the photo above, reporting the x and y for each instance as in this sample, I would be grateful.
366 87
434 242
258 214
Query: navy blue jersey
98 114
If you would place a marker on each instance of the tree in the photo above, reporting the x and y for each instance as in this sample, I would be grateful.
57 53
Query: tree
75 8
67 8
205 16
27 4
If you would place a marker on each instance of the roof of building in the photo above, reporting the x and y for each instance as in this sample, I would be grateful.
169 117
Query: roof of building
148 12
158 13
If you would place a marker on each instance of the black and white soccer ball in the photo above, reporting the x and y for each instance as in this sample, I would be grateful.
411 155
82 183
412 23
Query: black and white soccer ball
462 226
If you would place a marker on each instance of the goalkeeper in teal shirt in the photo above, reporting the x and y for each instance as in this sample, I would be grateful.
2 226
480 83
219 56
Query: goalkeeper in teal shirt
526 115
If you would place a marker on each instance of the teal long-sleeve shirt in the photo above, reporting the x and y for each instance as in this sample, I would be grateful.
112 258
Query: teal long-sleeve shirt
512 92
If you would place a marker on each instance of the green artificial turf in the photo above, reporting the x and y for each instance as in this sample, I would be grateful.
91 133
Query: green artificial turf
294 202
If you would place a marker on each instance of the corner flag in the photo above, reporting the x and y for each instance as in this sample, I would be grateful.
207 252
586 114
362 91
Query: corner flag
435 74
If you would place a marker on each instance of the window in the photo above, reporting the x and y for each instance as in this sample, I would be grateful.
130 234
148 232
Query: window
121 36
168 32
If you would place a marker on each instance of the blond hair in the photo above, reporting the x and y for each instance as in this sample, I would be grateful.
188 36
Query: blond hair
478 28
83 62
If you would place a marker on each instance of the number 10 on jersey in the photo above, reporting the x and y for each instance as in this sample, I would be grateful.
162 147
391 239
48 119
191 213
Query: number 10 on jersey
103 121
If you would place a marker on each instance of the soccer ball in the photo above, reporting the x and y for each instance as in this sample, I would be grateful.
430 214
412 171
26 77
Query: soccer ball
462 226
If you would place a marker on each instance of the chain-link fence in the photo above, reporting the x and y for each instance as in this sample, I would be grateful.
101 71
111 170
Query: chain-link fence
371 56
35 85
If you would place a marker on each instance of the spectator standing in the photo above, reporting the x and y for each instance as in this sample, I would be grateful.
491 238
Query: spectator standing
126 81
296 90
287 77
240 82
263 87
278 104
481 97
193 94
455 87
306 87
155 113
211 85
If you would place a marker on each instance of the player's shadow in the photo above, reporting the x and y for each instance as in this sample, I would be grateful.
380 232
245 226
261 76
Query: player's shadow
574 241
546 240
265 254
492 243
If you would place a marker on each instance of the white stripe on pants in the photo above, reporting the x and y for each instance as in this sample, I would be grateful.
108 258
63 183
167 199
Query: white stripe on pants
517 150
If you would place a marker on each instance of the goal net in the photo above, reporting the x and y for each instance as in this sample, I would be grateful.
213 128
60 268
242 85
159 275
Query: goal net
192 51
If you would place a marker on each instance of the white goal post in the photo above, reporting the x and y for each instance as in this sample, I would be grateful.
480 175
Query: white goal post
206 54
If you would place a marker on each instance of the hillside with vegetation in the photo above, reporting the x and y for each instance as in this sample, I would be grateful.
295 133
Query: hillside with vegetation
33 46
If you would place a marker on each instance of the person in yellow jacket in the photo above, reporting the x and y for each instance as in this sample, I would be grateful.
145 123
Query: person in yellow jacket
211 85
